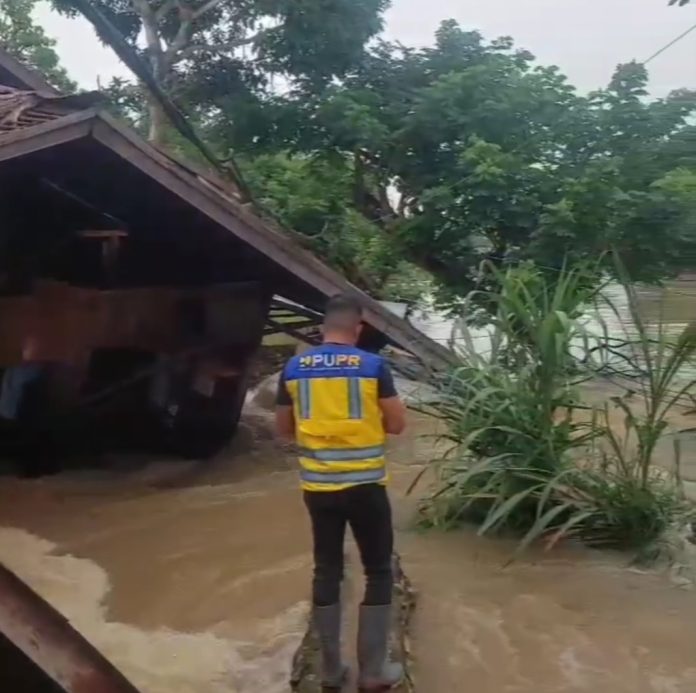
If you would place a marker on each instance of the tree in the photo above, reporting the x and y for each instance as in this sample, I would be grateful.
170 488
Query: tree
26 41
201 50
470 151
438 158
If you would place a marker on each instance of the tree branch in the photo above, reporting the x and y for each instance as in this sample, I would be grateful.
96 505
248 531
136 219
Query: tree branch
152 37
183 35
166 8
224 47
149 19
206 7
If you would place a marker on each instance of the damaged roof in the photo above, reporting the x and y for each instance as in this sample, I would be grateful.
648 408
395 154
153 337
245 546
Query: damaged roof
21 109
35 119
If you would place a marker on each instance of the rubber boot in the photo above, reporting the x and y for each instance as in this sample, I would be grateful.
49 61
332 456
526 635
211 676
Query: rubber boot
327 620
377 672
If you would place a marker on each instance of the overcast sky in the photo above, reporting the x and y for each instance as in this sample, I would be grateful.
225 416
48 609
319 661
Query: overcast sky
585 38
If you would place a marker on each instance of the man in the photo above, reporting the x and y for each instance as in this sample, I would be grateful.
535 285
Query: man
337 403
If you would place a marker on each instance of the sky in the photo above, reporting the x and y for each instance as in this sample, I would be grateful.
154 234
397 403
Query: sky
585 38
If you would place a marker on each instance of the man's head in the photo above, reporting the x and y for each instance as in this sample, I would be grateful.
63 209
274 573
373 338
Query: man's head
342 320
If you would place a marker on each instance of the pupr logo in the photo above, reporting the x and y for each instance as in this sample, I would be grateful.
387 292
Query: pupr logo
330 361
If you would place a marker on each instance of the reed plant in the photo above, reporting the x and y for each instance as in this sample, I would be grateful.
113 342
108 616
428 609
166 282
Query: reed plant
527 454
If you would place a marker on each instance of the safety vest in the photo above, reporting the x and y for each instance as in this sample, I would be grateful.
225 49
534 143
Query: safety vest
338 421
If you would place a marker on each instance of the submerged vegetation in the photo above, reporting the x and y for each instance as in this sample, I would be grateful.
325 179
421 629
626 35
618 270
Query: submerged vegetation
529 454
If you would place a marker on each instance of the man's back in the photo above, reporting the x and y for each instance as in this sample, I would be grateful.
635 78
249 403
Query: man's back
335 390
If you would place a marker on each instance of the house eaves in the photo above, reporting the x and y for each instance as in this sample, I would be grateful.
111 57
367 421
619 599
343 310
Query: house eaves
15 74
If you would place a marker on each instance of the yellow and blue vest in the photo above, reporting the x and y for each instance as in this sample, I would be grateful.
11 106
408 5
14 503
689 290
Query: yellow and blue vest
338 421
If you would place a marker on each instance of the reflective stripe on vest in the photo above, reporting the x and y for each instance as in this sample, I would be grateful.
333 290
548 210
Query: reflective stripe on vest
354 399
340 478
347 455
305 399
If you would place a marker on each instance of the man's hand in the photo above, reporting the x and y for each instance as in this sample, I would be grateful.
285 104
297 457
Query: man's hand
393 415
285 423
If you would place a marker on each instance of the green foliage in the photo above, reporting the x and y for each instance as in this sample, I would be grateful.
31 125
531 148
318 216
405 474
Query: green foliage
26 41
528 456
445 158
509 409
661 360
211 53
470 151
309 195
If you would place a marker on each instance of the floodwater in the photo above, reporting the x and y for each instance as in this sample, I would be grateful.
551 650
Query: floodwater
194 579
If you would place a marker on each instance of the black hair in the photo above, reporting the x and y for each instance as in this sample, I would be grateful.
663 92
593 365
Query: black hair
342 305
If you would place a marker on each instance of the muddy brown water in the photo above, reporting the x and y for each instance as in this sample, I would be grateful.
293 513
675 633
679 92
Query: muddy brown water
194 579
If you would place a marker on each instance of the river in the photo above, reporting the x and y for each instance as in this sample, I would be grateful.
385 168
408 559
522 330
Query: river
193 578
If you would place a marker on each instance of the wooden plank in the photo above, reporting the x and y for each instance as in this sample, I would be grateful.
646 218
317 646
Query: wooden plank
69 321
35 628
287 329
104 235
15 74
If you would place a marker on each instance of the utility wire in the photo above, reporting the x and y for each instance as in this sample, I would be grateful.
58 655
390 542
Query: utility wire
673 42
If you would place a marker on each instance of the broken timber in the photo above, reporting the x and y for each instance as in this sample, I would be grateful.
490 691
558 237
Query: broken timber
306 665
57 656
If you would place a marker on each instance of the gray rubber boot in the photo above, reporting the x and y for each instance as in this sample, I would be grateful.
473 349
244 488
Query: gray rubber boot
377 673
327 620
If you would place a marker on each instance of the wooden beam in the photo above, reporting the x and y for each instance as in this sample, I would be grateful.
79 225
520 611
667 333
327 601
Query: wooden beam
13 73
305 672
281 327
110 246
35 628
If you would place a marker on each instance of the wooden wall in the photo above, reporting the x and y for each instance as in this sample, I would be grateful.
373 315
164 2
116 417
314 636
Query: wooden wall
65 323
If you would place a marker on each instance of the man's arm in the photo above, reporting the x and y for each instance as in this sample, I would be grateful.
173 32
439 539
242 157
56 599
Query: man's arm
284 415
393 409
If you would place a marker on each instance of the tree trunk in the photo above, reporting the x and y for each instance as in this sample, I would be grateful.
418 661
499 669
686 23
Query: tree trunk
158 122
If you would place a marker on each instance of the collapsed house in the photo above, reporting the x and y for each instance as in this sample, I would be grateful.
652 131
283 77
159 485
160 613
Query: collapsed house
134 287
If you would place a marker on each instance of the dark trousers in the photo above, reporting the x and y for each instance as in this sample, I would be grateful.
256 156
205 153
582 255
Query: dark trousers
366 509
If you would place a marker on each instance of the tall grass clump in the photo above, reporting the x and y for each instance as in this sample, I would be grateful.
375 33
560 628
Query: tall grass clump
527 455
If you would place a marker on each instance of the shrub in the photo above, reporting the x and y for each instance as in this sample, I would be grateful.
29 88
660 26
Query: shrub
528 456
